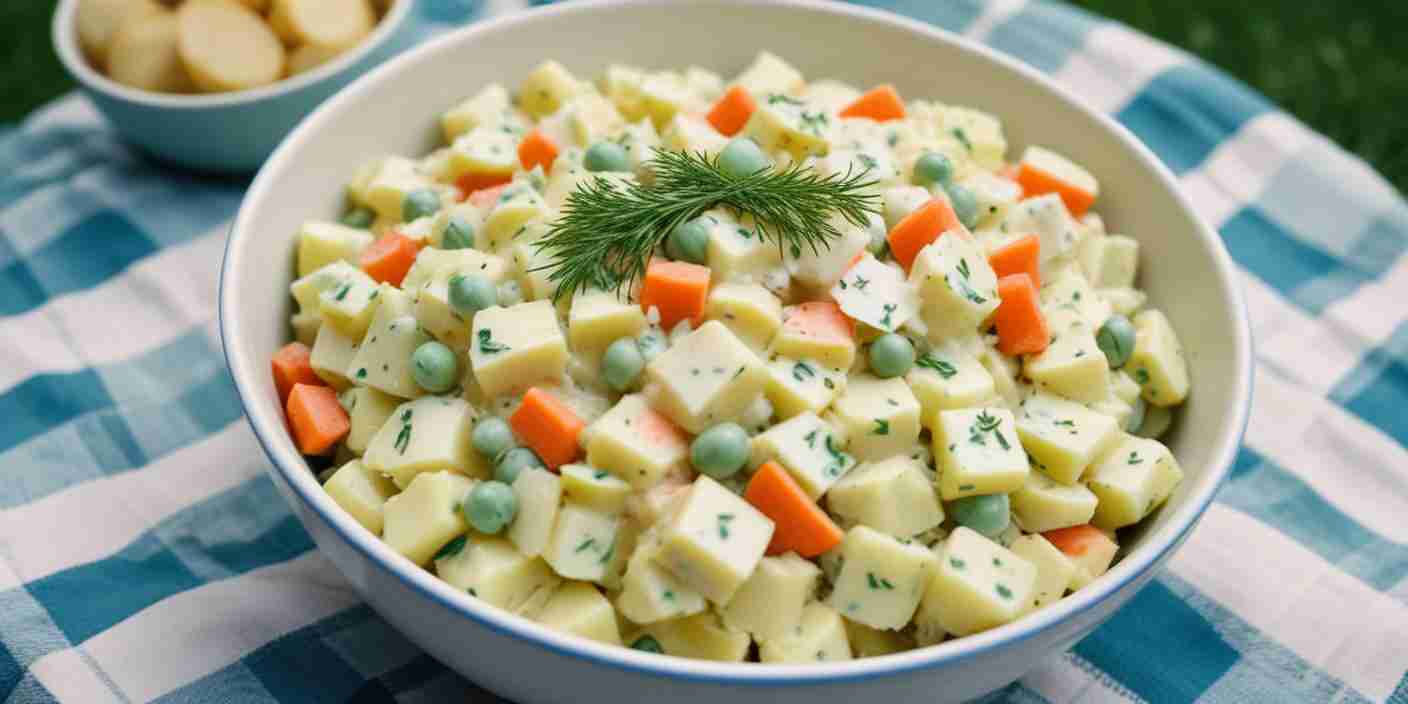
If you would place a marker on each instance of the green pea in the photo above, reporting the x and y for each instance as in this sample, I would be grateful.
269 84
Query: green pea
459 234
648 644
742 157
1116 340
435 367
492 437
360 218
931 168
1157 419
651 345
891 355
1136 416
513 462
622 364
988 514
965 204
420 203
606 156
720 451
490 507
471 294
689 242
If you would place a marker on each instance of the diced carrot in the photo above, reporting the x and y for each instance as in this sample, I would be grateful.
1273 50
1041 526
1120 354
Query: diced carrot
537 149
474 184
820 320
484 198
677 289
388 259
921 228
292 365
799 524
317 419
548 427
1021 327
880 103
1038 182
1077 540
731 113
1020 256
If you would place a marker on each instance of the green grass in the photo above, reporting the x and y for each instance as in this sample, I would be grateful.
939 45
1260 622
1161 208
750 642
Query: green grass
1338 66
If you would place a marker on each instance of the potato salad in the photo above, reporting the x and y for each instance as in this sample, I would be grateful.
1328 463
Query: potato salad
744 369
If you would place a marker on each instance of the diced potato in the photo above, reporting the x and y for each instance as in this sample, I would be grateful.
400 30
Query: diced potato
538 492
635 443
423 518
880 416
383 362
702 637
663 95
1094 562
305 327
1110 262
507 224
332 355
979 133
1054 570
426 435
1063 437
387 185
322 243
769 605
737 251
483 151
895 496
978 585
882 579
784 123
582 544
439 265
650 593
516 347
705 378
361 493
490 107
621 84
816 330
546 88
714 541
749 311
809 448
578 608
770 74
1046 217
802 386
591 117
876 294
834 95
867 642
595 489
1072 365
957 287
598 318
820 269
821 637
994 194
948 377
1133 478
1004 371
492 570
367 410
1125 301
978 452
1043 504
1158 363
1069 291
692 134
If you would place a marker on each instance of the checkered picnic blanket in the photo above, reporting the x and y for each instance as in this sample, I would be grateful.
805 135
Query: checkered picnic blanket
144 553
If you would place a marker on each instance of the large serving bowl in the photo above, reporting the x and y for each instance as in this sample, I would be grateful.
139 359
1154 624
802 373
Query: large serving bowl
1186 272
224 132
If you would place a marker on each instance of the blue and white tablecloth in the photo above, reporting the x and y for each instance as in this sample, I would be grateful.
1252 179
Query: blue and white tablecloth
145 555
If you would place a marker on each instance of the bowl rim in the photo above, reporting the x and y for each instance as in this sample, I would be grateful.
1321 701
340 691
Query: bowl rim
1130 569
64 36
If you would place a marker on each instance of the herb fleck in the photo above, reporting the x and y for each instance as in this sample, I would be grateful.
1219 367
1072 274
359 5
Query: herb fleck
802 371
944 369
882 427
487 344
724 519
452 548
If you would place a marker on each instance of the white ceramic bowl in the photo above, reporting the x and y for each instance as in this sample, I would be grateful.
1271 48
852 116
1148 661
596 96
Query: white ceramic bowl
226 132
394 110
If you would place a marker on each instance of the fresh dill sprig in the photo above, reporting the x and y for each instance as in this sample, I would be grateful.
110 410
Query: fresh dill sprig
608 230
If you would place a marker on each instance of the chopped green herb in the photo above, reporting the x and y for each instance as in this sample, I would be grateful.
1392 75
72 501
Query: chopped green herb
811 439
724 519
362 373
963 269
861 282
802 371
342 292
452 548
1004 592
889 309
882 427
487 344
957 563
962 138
944 369
585 545
1134 458
878 582
775 98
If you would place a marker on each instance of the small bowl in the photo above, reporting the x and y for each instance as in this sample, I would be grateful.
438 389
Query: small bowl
224 132
394 110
